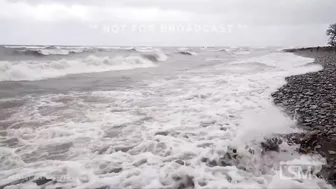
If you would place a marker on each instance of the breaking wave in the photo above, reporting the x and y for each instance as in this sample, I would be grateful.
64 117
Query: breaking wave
202 129
145 49
37 70
41 51
157 57
186 51
211 49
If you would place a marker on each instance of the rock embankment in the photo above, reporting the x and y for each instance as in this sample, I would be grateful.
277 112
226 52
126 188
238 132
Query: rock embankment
311 99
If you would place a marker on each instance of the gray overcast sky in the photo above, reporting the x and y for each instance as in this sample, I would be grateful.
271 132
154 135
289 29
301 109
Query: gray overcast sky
166 22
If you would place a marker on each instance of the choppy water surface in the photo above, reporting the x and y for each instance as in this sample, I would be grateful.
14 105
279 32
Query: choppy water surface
145 118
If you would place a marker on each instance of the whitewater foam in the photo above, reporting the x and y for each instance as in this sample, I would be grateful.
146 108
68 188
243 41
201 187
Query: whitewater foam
59 51
171 133
42 50
37 70
186 51
156 57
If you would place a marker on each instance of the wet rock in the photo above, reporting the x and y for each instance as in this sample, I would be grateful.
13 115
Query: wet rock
309 142
294 138
179 162
332 152
310 98
212 163
271 144
202 183
42 180
251 151
330 175
228 177
309 93
203 159
313 107
185 182
326 105
224 162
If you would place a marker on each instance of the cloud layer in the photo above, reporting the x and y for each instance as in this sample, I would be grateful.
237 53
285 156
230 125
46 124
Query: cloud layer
273 19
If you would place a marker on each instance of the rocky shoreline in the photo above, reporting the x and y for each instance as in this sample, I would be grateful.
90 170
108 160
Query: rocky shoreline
311 98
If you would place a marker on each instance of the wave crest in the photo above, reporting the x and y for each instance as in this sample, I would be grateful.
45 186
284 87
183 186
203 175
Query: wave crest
36 70
41 51
156 57
186 51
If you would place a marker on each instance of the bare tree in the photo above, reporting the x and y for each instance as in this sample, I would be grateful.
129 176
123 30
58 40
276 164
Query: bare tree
331 32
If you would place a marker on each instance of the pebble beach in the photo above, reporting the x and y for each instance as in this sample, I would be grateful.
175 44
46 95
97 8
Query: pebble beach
311 99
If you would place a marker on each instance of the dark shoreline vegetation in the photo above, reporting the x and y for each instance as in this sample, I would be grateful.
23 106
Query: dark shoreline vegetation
311 49
311 98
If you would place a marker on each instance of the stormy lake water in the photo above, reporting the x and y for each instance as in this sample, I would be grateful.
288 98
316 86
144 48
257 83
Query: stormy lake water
87 117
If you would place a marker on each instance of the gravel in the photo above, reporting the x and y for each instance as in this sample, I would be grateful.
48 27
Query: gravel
311 99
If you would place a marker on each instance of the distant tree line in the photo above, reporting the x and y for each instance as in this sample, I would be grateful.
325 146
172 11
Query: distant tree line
331 32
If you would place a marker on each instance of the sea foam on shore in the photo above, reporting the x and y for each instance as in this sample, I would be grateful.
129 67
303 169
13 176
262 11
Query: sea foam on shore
312 99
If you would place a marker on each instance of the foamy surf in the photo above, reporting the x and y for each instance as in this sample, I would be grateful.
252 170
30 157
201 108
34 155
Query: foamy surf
186 51
42 50
47 52
156 57
199 128
37 70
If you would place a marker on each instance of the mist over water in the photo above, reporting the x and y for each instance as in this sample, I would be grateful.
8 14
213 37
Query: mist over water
146 117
